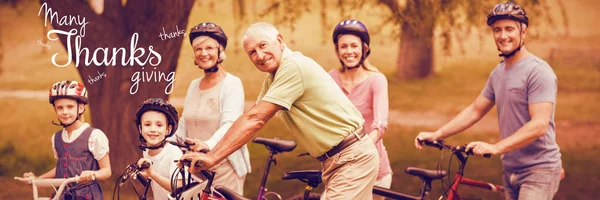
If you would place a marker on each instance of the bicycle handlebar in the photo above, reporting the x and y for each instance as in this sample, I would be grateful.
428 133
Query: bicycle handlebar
440 145
186 145
187 162
51 182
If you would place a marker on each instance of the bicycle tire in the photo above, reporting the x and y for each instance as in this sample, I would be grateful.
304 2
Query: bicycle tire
311 196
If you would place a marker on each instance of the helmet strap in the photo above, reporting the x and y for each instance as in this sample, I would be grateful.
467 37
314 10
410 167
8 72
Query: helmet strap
360 63
521 43
215 68
69 124
512 53
143 147
354 67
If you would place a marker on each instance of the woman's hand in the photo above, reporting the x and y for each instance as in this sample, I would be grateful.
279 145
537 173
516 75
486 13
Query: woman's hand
197 145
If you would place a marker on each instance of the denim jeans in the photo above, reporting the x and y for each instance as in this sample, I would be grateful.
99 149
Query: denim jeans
534 184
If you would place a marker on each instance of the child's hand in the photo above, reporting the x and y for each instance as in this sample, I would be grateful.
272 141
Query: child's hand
87 176
145 172
197 145
29 175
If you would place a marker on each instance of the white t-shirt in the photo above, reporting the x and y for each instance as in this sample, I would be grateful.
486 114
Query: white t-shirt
163 164
97 144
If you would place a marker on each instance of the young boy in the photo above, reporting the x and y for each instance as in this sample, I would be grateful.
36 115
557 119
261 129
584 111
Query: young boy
80 149
157 120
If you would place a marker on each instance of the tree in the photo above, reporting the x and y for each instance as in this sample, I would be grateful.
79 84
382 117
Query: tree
111 105
415 22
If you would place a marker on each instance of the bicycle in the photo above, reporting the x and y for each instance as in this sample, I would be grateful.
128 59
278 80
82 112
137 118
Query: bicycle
312 178
52 182
275 146
427 176
132 172
201 189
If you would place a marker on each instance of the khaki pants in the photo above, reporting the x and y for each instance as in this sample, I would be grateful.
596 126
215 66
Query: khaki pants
226 176
351 173
384 182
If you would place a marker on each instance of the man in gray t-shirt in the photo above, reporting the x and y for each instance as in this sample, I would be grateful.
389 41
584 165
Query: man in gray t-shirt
524 89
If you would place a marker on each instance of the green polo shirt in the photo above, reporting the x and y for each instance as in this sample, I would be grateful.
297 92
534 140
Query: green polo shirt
316 111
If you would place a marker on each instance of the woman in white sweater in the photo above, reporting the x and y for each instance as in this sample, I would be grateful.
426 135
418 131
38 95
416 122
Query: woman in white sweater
213 103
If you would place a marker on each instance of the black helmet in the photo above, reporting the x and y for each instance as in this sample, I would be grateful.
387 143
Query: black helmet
211 30
508 10
159 105
353 27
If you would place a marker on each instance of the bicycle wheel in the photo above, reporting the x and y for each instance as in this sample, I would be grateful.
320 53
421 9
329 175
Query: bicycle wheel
311 196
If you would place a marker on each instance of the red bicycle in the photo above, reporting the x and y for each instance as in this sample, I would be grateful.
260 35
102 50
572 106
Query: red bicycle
428 176
462 155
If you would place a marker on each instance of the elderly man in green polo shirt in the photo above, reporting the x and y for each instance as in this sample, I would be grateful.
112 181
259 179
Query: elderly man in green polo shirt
319 115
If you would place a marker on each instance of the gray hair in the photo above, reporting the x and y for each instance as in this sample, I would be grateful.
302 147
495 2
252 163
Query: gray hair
261 28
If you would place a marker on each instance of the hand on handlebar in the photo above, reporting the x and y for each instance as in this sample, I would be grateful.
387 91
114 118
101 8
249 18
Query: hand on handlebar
481 148
197 145
197 161
29 175
144 166
425 136
87 176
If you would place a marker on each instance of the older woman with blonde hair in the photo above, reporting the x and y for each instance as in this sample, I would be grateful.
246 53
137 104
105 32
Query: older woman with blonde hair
213 103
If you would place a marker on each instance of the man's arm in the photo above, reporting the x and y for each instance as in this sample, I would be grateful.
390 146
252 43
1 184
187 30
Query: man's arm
541 114
465 119
243 129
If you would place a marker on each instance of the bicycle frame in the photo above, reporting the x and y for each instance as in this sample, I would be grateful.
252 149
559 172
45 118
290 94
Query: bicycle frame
202 190
263 182
462 155
61 182
459 179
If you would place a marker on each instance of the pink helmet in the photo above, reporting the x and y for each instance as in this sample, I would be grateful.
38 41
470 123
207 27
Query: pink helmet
68 89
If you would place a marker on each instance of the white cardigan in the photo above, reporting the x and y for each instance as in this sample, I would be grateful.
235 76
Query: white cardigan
231 107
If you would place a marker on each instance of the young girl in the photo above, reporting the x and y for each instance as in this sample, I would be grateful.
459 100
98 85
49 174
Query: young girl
80 149
156 120
365 87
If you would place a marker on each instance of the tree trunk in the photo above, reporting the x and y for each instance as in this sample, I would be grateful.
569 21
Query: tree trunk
415 57
111 105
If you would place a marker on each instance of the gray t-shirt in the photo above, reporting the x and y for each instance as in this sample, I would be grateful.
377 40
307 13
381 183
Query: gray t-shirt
530 80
